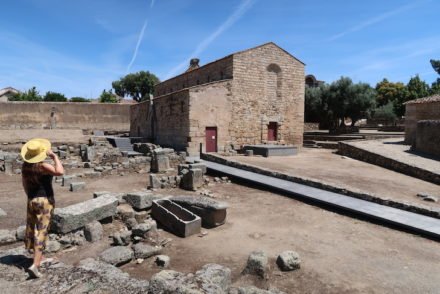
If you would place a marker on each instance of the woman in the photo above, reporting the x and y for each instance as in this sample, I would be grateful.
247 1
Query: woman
37 183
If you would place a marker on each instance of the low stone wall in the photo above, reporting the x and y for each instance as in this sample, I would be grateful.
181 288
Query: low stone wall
376 159
428 137
65 115
372 198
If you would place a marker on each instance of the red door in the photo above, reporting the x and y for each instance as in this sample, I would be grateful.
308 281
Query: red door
211 139
272 131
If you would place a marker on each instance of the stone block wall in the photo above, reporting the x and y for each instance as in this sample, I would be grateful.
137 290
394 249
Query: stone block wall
214 71
65 115
419 111
140 117
210 106
171 120
268 86
428 137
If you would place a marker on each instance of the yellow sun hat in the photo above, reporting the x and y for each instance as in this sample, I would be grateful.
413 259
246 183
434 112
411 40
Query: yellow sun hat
35 150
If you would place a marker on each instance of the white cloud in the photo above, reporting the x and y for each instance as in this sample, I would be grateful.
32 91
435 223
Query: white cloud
234 17
377 19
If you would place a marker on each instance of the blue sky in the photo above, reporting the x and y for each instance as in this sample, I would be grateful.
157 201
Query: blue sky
79 47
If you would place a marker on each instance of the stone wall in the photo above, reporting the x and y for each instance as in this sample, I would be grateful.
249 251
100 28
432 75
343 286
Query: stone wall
214 71
363 155
419 111
64 115
428 137
211 106
268 86
140 117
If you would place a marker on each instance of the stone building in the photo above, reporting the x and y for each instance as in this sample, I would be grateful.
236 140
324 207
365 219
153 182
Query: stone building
422 124
7 93
254 96
312 82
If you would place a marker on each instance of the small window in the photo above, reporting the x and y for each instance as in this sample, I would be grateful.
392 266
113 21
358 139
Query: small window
222 75
209 79
198 82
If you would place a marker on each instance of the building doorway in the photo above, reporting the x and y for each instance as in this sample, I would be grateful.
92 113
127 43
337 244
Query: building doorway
272 131
211 139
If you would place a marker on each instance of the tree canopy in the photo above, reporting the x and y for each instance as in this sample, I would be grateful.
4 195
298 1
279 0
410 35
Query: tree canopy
54 97
108 97
387 92
330 104
79 99
30 95
138 85
435 65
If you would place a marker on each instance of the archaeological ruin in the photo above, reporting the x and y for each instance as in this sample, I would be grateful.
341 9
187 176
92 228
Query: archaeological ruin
422 124
255 96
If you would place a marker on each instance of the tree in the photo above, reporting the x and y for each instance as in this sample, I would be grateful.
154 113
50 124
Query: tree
435 65
417 88
138 85
385 112
79 99
108 97
346 99
360 102
435 87
30 95
387 92
53 96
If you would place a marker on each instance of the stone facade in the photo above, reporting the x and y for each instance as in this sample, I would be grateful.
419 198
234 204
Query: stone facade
420 109
240 96
428 137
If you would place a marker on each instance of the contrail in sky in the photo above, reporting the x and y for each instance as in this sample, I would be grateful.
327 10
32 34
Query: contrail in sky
139 41
375 20
236 15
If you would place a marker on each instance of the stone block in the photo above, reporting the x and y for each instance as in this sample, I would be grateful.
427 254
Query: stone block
214 278
160 163
142 228
93 231
192 180
212 212
78 215
7 236
257 264
155 182
199 165
117 255
288 261
53 246
175 218
2 213
76 186
122 238
139 200
142 250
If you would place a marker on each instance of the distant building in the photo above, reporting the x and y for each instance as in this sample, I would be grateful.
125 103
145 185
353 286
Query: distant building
7 93
422 124
312 82
254 96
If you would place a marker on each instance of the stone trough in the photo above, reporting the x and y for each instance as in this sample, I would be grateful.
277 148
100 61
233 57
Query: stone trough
212 212
271 150
175 218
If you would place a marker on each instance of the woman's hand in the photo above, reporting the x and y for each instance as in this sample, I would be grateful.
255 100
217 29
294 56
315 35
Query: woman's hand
50 153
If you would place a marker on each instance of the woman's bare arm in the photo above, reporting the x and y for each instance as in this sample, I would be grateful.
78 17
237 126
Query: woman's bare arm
55 170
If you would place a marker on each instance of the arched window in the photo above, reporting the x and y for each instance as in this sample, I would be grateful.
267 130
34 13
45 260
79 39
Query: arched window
273 81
